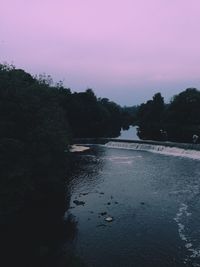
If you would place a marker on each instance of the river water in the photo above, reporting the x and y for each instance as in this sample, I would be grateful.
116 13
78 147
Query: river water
153 200
130 134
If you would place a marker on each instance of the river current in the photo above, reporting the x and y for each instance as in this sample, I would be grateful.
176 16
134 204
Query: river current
153 200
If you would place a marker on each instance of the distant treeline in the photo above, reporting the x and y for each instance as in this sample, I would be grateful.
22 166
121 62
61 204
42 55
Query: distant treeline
177 121
38 120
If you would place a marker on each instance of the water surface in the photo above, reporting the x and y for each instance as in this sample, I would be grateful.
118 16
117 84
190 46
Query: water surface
130 134
154 201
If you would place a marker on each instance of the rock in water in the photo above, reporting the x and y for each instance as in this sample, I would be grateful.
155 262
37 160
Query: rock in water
103 213
108 219
78 148
77 202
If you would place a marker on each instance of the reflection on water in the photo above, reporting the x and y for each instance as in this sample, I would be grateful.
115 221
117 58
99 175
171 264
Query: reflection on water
37 239
130 134
154 201
39 236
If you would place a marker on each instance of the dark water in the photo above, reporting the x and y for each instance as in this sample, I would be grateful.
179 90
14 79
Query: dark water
154 200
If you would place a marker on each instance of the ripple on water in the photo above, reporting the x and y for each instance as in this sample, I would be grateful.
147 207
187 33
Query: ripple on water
180 219
150 189
122 159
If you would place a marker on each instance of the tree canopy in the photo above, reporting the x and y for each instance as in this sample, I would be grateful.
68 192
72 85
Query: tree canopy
180 119
38 120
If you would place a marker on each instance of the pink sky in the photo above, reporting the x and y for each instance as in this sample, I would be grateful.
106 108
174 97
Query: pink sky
124 49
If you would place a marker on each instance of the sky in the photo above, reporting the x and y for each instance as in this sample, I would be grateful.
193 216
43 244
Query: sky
126 50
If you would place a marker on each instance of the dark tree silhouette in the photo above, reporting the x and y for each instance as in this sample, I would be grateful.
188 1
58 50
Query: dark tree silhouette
177 121
150 118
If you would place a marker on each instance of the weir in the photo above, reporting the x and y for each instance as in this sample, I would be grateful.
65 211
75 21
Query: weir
156 148
149 142
167 148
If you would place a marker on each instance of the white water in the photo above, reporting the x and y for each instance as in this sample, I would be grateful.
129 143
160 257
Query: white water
78 148
180 217
166 150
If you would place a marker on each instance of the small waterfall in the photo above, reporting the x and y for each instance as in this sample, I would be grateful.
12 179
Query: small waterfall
156 148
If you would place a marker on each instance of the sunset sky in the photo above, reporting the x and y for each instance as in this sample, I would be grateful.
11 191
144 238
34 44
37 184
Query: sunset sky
125 50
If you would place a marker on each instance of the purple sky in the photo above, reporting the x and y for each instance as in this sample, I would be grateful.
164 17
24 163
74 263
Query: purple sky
125 50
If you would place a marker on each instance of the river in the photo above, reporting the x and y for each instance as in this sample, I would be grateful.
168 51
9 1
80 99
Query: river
153 200
130 134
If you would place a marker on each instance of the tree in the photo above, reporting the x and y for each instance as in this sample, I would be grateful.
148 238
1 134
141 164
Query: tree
150 118
182 118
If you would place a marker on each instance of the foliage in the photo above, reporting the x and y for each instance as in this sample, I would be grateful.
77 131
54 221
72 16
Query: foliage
129 116
179 120
34 133
150 118
38 120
